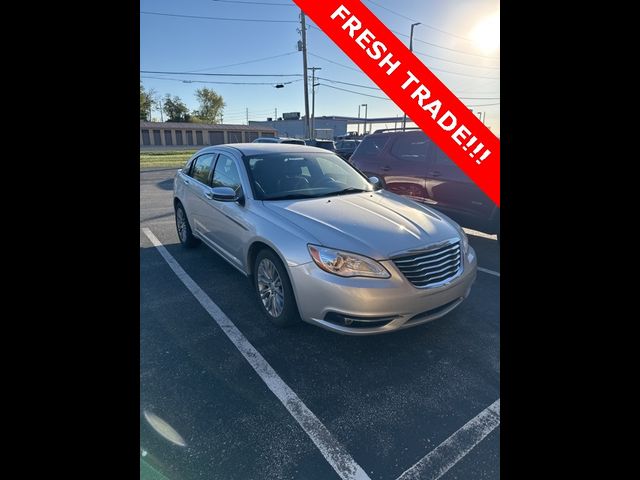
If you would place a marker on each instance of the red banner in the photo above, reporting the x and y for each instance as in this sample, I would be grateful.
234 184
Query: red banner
413 87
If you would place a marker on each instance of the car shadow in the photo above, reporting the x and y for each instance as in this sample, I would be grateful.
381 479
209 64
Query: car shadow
166 184
295 345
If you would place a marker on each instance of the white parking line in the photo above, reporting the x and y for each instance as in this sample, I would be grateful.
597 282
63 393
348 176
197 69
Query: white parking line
437 462
344 465
476 233
490 272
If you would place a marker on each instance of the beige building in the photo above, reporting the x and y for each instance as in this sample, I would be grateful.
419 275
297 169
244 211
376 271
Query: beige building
174 134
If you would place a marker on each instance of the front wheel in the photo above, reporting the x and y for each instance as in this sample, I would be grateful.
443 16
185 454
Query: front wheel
184 230
273 287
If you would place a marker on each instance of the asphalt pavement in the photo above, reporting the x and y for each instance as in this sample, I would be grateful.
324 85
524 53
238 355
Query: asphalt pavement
389 400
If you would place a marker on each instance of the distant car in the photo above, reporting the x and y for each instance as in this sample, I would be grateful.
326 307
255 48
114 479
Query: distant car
321 242
326 144
293 141
345 148
410 164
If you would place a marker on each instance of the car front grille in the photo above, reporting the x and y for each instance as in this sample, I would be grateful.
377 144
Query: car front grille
433 267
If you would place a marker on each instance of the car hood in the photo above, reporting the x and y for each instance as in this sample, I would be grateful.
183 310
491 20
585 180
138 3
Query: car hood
376 224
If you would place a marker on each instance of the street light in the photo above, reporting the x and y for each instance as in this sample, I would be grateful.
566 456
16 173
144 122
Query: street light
365 117
404 119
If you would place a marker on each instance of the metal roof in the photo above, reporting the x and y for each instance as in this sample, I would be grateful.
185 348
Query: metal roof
202 126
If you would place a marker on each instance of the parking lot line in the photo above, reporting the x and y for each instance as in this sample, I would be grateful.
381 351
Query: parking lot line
341 461
490 272
437 462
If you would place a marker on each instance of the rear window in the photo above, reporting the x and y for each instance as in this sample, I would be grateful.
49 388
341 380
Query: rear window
411 147
372 145
295 142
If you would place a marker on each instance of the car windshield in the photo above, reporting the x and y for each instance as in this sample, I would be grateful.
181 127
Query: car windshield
280 176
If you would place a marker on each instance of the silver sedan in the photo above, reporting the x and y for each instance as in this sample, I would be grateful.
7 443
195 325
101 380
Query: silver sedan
321 242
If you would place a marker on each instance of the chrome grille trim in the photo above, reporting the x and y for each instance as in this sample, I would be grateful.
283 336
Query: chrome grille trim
434 267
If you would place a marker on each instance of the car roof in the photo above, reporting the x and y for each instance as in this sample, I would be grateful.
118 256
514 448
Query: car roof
261 148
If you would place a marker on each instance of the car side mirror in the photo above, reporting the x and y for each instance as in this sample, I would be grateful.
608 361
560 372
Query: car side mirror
224 194
376 182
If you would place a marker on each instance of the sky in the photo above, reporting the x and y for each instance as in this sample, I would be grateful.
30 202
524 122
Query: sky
457 32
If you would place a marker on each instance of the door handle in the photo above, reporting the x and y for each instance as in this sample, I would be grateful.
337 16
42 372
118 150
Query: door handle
434 173
386 168
186 182
209 195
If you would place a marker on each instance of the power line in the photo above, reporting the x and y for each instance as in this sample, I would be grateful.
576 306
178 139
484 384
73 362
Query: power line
243 63
218 18
430 68
385 98
358 70
347 83
352 91
256 3
218 83
336 63
484 105
458 73
227 74
354 84
457 63
446 48
414 20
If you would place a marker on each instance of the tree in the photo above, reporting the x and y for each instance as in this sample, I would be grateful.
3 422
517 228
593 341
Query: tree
175 109
211 106
146 102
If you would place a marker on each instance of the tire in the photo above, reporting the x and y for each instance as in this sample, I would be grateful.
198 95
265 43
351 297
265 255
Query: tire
273 289
187 239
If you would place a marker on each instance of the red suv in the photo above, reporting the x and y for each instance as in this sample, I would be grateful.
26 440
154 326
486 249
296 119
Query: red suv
409 163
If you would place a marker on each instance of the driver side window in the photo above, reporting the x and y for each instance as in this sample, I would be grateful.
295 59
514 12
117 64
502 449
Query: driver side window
226 174
202 168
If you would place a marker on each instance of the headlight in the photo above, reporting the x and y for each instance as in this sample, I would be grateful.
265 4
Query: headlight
464 242
346 264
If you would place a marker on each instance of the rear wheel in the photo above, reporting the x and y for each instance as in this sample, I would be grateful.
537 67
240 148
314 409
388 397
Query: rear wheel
273 287
184 230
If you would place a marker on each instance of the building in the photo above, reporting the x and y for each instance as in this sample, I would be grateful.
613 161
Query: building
325 127
174 134
331 127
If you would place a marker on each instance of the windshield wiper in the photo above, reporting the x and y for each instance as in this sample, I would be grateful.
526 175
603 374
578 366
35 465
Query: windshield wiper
344 191
290 196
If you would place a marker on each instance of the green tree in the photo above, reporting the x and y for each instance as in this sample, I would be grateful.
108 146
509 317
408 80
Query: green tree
175 109
146 103
211 106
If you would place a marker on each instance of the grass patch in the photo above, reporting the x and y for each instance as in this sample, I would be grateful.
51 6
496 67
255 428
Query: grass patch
166 159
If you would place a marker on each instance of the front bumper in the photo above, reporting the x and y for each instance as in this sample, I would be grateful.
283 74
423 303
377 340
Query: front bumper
368 306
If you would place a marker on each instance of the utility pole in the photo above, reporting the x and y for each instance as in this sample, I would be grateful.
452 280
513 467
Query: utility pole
275 119
366 107
358 120
247 115
313 101
404 119
303 32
